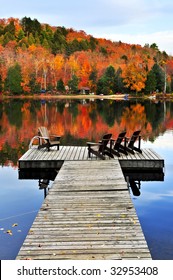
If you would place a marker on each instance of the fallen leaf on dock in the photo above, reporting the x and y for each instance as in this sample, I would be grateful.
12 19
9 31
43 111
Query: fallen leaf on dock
9 232
123 216
14 225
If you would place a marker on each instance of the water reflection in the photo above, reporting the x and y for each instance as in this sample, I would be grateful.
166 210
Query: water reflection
81 121
134 179
44 177
43 185
78 121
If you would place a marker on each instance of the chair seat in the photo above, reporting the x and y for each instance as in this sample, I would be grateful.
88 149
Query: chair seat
99 149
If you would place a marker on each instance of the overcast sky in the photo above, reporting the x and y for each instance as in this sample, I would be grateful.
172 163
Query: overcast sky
129 21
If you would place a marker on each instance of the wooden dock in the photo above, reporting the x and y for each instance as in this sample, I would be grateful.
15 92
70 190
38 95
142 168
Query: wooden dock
35 158
87 215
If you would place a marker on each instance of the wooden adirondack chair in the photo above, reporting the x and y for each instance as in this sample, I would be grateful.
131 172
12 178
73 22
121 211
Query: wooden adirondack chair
130 143
46 140
99 149
116 146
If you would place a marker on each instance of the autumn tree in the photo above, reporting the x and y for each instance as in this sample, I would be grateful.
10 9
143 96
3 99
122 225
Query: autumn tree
48 54
134 76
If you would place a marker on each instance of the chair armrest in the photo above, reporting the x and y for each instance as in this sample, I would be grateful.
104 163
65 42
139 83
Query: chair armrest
43 137
94 144
56 136
34 138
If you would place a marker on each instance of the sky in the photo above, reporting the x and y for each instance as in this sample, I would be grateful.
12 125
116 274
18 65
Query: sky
129 21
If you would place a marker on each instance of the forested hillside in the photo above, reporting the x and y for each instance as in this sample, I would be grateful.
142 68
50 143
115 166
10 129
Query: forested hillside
36 56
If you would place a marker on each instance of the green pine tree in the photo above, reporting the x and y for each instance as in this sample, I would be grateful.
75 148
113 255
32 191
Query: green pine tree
151 82
14 79
60 85
73 84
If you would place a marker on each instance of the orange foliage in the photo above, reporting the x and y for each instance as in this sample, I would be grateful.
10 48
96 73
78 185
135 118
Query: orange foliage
36 60
134 118
79 35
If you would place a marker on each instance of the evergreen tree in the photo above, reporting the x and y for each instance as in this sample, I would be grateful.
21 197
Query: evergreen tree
30 26
26 24
119 85
10 28
160 77
151 82
106 84
34 86
60 85
73 83
7 38
31 40
20 35
14 79
58 42
93 79
102 86
93 43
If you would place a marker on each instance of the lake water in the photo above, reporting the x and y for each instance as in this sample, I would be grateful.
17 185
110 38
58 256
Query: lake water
79 121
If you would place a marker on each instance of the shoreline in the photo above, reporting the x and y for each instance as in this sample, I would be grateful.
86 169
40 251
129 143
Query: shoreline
61 96
86 96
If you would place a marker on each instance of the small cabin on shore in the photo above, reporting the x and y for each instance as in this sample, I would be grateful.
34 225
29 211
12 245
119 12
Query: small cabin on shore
84 90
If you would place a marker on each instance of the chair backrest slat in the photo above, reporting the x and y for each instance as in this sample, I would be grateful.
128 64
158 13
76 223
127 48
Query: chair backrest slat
43 132
133 138
105 140
120 138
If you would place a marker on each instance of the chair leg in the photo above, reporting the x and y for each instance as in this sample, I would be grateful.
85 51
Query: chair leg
97 154
110 155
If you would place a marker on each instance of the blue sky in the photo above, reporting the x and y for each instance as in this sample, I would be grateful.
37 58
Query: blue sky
133 21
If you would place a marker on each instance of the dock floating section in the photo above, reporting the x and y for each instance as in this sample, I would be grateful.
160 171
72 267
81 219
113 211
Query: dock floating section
35 158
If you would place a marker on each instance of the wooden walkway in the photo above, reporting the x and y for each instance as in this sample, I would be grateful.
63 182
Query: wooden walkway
87 215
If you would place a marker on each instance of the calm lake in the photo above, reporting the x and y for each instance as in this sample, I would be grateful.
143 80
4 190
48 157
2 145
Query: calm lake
79 121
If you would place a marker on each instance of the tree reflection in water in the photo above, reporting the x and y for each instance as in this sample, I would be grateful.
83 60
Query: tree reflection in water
80 122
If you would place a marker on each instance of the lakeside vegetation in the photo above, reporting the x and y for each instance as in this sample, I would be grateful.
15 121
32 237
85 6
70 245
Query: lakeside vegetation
37 57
